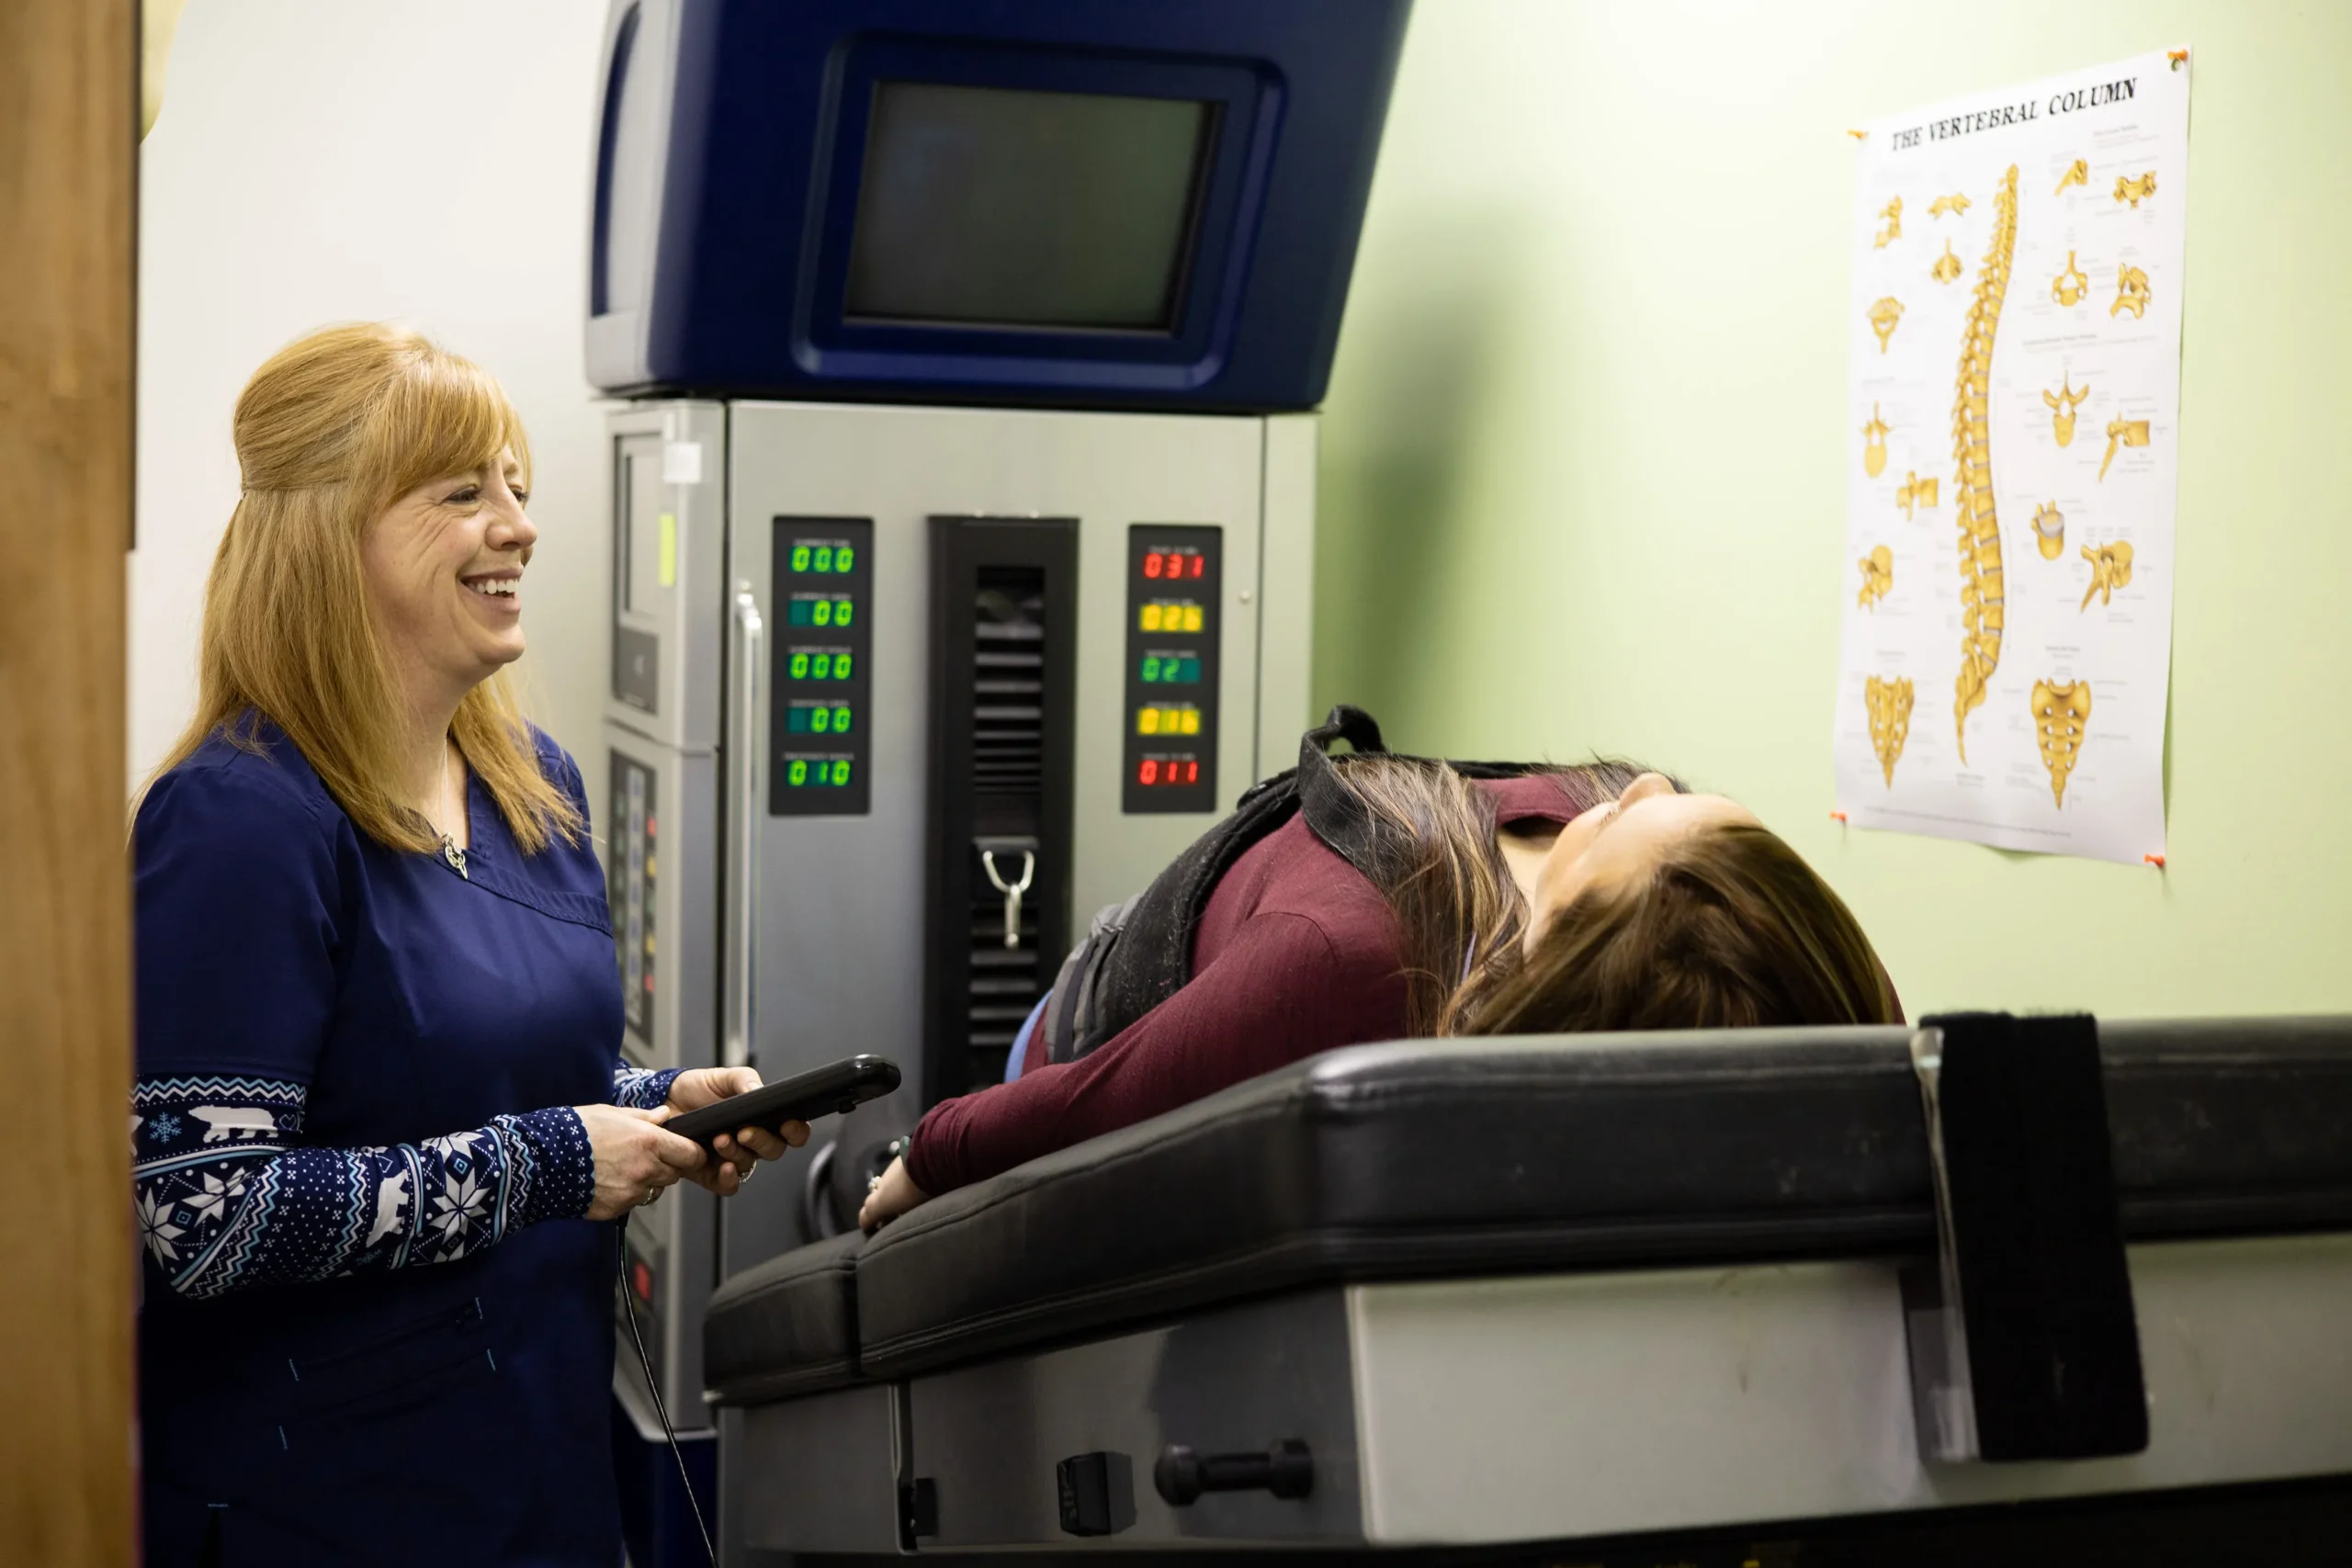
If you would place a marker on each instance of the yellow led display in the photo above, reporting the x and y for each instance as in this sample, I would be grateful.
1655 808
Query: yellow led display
1185 720
1168 615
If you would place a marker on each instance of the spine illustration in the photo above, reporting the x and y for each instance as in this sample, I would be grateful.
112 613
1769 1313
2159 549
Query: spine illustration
2050 530
1889 704
1981 596
2124 433
1878 576
2062 713
2063 404
1883 317
2110 569
1875 445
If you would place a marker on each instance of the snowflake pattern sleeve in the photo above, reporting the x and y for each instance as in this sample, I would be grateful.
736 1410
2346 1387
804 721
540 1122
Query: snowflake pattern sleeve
642 1088
228 1197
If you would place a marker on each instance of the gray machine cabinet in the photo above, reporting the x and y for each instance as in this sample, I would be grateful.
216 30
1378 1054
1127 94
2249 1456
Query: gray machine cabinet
835 908
669 488
1553 1408
787 942
658 831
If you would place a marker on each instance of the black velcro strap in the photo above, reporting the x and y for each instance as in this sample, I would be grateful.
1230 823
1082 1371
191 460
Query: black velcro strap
2045 1293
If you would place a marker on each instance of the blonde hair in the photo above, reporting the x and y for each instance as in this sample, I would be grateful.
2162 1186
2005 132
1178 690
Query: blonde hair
332 430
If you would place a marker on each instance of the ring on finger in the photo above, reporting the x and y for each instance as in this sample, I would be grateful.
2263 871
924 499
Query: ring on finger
653 1195
743 1172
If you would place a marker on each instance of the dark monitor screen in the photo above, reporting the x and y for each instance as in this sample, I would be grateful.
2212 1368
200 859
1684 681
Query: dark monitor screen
996 207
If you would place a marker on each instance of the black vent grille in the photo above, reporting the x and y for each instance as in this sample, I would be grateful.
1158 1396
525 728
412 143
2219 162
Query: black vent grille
1000 786
1008 805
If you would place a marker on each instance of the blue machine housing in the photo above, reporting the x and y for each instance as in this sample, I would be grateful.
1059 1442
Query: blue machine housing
731 158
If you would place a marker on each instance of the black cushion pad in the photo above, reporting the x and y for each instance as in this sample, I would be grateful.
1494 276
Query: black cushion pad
788 1327
1465 1157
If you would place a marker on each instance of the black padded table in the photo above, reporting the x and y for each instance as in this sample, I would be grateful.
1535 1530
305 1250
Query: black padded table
1401 1247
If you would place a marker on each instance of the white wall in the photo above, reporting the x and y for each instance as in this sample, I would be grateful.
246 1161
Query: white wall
428 162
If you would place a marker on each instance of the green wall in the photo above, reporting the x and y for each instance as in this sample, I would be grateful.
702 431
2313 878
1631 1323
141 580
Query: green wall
1583 456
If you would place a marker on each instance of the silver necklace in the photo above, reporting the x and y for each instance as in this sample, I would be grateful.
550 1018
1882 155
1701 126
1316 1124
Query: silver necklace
450 850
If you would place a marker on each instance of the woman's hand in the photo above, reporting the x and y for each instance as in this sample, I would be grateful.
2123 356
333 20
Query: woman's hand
738 1152
893 1195
635 1158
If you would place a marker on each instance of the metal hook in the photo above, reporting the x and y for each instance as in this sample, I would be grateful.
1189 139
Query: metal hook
1011 893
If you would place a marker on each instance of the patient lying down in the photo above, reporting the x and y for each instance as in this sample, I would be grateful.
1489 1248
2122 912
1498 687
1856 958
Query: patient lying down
1547 900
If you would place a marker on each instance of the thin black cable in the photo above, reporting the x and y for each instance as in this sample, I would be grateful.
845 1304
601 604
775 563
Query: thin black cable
628 1305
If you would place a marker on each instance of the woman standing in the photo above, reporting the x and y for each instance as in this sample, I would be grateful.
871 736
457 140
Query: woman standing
379 1086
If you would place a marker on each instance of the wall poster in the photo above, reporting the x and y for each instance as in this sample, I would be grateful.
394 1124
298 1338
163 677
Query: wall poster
2013 414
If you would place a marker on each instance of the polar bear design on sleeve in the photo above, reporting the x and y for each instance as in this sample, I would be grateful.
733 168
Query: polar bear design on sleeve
223 1124
391 1197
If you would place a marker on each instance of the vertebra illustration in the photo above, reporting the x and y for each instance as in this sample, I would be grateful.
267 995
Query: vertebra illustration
2110 569
2080 175
1878 576
2122 433
2135 190
1916 492
2062 403
2071 284
1893 213
1956 204
1981 595
1947 266
2131 291
2061 714
2050 530
1889 704
1875 445
1883 317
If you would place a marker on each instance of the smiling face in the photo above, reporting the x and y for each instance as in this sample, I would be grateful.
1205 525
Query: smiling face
444 566
1622 843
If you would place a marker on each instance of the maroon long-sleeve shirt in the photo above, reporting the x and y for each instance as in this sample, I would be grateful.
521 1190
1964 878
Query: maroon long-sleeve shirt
1297 953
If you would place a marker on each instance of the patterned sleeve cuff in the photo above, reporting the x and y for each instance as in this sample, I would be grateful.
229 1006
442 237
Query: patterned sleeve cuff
641 1089
552 1165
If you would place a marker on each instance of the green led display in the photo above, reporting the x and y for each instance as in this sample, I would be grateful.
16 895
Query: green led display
818 613
832 720
831 559
800 772
806 666
1179 669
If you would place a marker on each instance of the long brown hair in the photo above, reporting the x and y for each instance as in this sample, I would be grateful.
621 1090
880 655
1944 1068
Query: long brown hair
335 427
1459 915
1732 929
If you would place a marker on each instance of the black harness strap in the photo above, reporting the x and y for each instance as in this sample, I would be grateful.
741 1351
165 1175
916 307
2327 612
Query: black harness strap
1138 954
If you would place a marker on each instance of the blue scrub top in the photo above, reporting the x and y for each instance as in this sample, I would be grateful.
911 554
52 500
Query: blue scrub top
456 1412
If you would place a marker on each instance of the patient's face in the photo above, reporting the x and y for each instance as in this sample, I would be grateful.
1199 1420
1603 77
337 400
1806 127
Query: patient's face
1623 842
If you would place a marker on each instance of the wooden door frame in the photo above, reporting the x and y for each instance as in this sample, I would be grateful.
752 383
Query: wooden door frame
68 225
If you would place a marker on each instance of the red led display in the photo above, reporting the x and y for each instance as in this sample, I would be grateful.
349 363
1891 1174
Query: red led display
1174 564
1175 770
